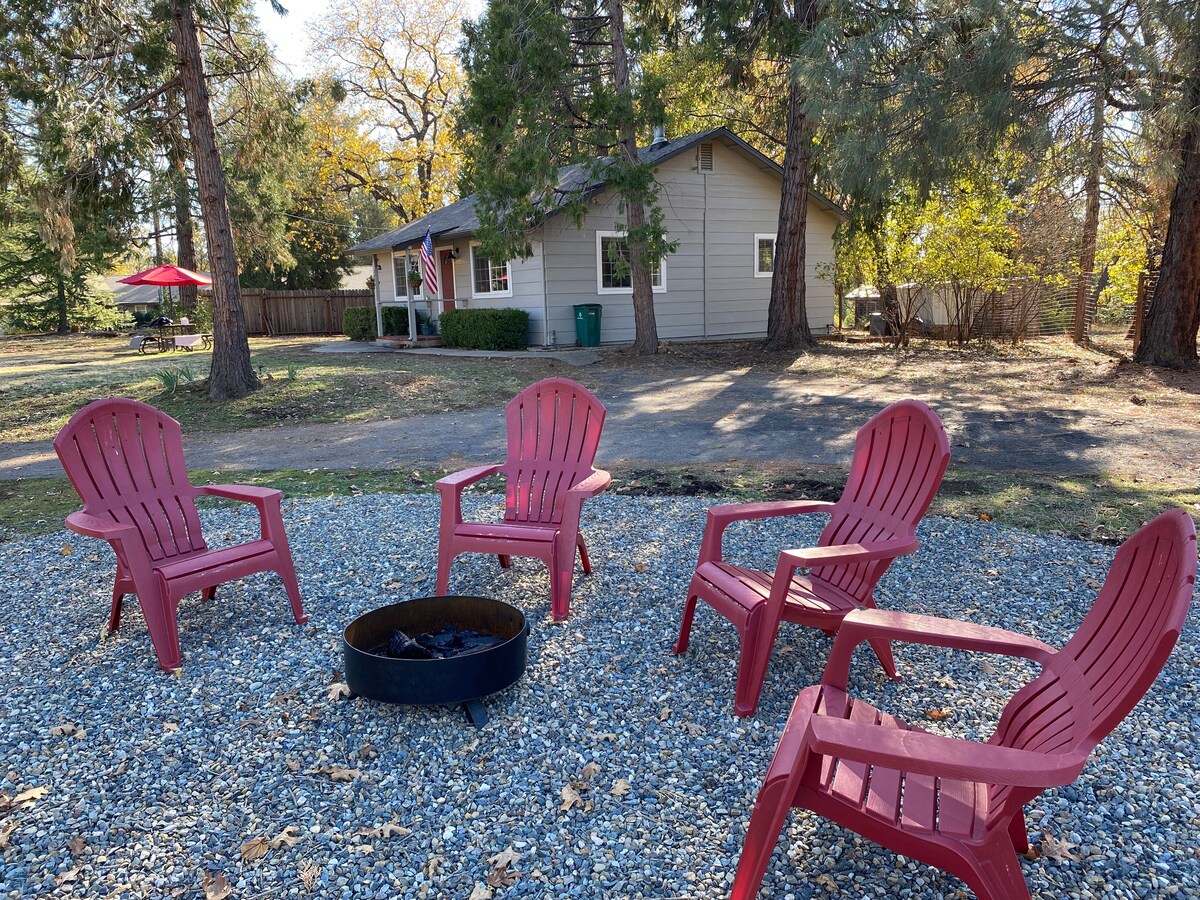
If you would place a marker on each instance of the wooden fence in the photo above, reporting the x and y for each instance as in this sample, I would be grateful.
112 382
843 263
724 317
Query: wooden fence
299 312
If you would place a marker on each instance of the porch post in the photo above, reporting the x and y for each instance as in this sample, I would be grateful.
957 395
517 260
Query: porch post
412 310
379 293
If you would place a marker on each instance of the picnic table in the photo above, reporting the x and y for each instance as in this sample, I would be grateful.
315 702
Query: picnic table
176 336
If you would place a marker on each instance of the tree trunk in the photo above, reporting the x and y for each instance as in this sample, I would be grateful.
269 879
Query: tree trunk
1091 218
1169 338
787 315
231 375
185 237
645 339
64 326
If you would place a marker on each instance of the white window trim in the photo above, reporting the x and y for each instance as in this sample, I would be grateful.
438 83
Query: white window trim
418 294
487 294
601 289
774 240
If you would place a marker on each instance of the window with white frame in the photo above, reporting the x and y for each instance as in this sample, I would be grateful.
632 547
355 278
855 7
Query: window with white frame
489 277
400 277
764 255
613 272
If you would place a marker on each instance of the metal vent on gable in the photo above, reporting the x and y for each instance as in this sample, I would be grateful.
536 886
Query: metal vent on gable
704 158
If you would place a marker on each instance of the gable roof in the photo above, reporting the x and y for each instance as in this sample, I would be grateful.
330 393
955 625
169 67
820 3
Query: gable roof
459 219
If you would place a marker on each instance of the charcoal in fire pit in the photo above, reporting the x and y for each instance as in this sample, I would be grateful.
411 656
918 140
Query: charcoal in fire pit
450 641
401 646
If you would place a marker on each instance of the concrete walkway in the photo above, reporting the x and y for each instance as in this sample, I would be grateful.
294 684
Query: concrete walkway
570 357
671 419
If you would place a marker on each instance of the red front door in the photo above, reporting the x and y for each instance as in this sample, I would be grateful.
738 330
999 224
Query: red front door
446 276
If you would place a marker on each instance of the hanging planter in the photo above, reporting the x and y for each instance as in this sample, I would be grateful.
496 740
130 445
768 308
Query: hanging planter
414 280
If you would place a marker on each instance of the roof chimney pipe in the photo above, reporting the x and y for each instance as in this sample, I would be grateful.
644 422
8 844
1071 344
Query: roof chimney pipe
660 137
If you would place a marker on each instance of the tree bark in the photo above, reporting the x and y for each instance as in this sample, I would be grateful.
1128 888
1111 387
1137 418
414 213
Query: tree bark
1091 217
185 237
231 375
64 326
787 315
645 338
1169 338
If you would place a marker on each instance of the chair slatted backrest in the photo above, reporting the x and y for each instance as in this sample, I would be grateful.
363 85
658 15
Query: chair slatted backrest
900 456
125 460
1113 658
553 432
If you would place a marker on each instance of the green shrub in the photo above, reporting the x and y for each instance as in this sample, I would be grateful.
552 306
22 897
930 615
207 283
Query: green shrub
358 323
486 329
395 320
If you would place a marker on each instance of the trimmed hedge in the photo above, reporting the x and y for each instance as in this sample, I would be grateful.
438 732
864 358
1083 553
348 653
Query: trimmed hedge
485 329
358 322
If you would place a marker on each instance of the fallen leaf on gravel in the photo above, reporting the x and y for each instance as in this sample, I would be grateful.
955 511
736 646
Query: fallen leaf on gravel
985 517
640 567
481 892
67 550
25 798
337 690
285 838
255 848
6 833
945 681
76 845
938 714
390 830
64 877
309 874
119 890
589 771
177 672
216 887
620 788
362 848
338 773
65 730
504 858
293 765
987 667
1053 848
170 727
570 797
501 878
433 864
827 882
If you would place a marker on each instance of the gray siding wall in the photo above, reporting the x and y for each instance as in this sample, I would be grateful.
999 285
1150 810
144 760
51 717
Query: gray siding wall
711 290
528 287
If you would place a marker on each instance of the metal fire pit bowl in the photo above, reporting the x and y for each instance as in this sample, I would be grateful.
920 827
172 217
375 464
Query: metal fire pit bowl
465 678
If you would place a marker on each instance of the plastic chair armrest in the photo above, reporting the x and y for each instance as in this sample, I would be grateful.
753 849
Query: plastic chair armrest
594 484
945 757
97 527
249 493
848 554
864 624
721 517
466 477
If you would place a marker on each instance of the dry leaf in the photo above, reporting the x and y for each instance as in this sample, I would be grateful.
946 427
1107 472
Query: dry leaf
76 845
309 874
481 892
338 773
570 797
433 864
390 830
589 771
938 714
504 858
337 690
119 890
255 848
640 567
65 730
26 798
66 550
170 727
620 788
827 882
362 848
285 838
6 833
985 517
501 878
1053 848
216 887
64 877
987 667
664 714
293 765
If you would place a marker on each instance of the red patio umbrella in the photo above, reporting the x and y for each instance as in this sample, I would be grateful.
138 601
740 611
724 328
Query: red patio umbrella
166 276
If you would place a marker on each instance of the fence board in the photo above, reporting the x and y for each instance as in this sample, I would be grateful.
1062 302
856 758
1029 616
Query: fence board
299 312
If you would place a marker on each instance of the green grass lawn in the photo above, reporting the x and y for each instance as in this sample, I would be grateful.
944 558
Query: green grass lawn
43 380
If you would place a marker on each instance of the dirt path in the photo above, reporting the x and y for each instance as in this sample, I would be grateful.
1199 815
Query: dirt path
674 416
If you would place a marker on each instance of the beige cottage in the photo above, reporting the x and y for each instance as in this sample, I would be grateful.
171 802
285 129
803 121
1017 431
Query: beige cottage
720 199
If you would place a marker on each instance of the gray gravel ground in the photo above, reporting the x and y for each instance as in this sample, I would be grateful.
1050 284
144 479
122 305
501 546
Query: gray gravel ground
167 777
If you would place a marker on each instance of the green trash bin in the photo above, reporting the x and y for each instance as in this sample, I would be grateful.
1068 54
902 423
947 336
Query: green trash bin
587 324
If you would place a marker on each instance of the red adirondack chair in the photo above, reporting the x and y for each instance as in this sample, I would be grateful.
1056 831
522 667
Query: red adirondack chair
125 460
553 431
900 457
956 804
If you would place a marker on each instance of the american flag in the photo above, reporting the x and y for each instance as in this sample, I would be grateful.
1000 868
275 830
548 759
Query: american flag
428 265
